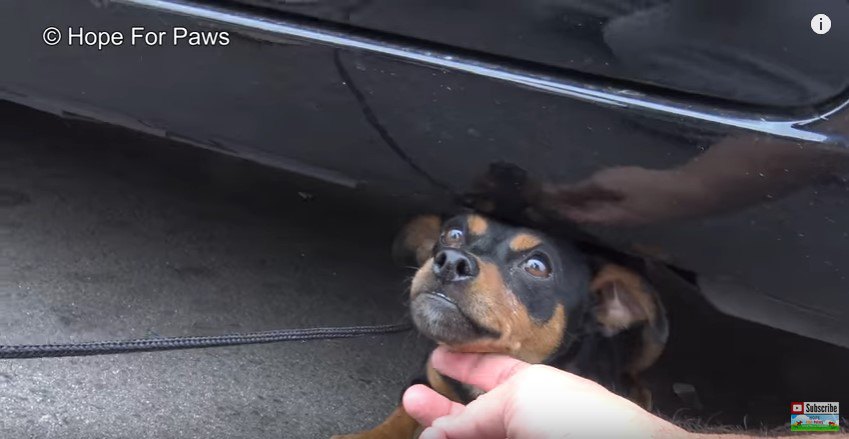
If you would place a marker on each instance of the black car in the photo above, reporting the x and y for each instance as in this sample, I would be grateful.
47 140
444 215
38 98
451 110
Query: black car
703 139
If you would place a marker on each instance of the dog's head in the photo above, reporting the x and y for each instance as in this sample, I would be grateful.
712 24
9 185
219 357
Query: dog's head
485 286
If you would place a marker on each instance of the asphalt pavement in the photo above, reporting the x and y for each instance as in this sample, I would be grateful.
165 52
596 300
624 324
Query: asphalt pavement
107 235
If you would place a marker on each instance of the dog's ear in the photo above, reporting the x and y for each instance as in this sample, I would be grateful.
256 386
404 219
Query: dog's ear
414 243
624 300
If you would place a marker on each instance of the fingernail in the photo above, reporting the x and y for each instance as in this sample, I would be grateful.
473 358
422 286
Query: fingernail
412 397
431 433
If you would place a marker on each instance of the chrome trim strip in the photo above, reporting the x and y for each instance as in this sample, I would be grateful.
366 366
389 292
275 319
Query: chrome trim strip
623 98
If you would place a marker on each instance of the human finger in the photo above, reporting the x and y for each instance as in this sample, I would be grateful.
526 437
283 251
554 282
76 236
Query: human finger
425 405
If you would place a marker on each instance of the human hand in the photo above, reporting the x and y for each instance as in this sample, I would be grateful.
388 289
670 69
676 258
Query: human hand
526 401
627 195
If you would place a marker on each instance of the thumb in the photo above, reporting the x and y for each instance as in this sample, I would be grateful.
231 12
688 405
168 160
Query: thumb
483 418
425 405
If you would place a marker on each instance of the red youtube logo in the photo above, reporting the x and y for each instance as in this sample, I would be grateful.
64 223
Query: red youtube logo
797 408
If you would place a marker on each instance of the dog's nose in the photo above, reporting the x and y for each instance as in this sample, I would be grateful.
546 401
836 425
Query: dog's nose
452 265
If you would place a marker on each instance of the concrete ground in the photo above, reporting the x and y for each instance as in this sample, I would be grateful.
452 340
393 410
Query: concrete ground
105 236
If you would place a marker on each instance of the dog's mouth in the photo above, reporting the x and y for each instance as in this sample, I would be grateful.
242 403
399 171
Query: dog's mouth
442 319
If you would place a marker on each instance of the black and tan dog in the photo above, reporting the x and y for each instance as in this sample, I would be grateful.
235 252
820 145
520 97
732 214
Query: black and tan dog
484 286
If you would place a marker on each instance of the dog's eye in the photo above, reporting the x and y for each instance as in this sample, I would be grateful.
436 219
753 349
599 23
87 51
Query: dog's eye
537 266
452 237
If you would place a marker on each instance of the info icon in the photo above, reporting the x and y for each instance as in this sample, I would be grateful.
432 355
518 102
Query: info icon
797 408
821 24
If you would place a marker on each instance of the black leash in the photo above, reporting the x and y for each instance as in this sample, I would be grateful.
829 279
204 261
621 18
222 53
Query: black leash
175 343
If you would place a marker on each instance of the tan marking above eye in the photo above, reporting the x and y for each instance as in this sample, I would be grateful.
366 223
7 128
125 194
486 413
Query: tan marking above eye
477 225
523 242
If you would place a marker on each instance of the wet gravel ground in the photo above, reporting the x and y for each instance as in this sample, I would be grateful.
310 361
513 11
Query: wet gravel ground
106 234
